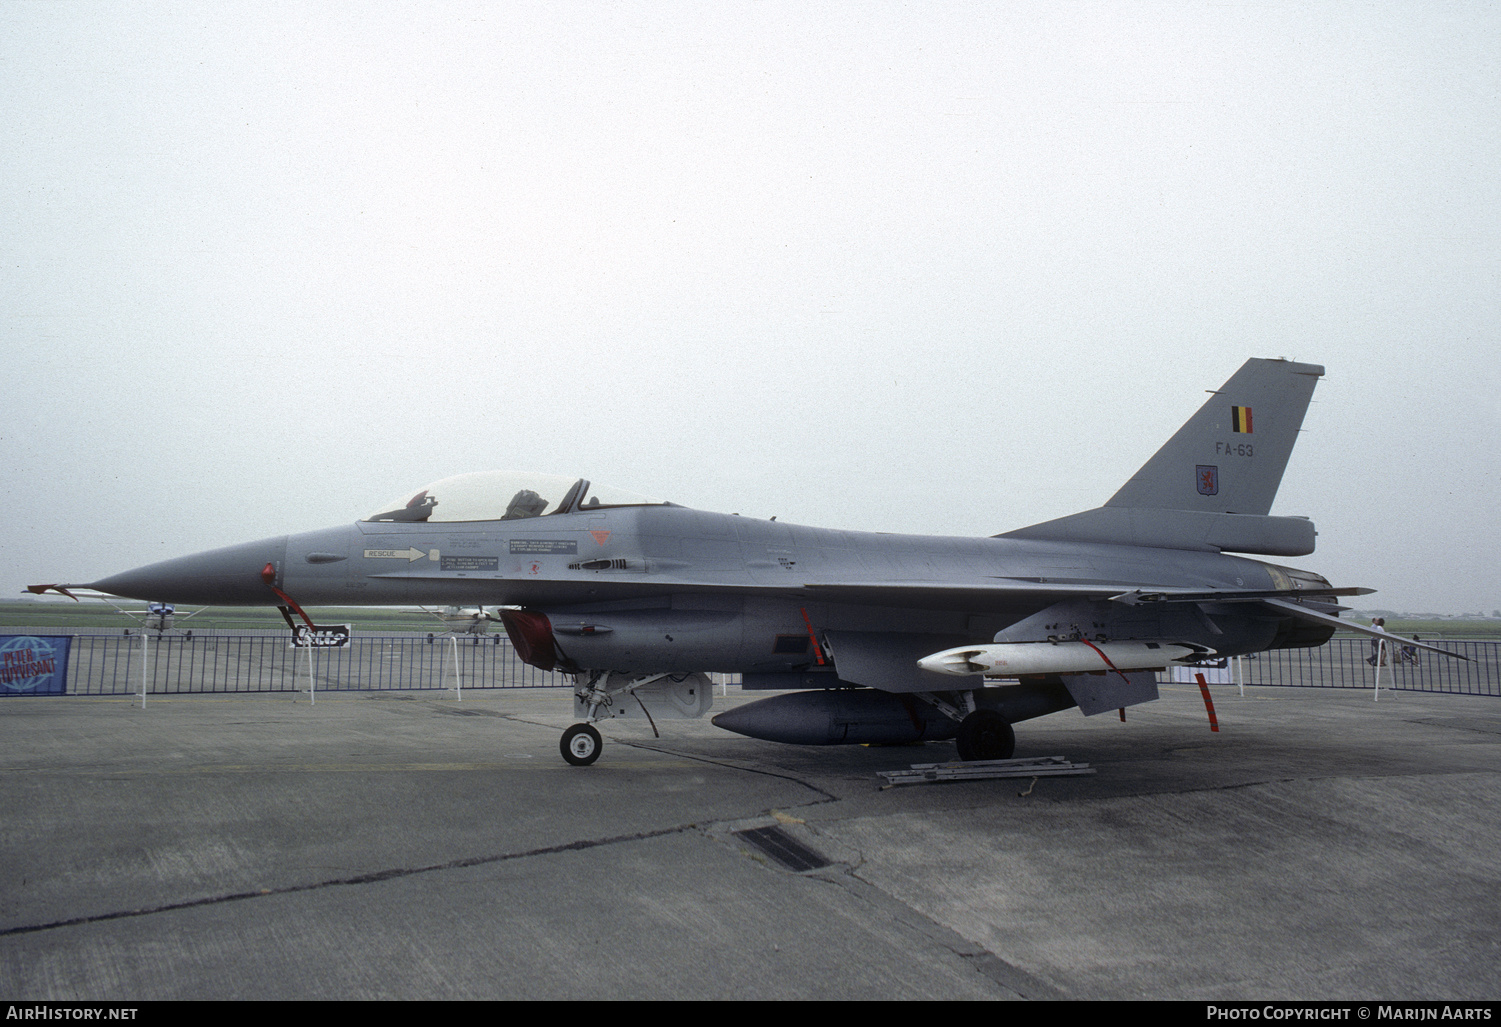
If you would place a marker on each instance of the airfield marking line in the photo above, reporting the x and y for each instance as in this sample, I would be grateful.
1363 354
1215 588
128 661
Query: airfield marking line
512 765
375 877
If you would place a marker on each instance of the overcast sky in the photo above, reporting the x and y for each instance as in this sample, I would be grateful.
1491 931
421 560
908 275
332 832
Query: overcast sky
944 268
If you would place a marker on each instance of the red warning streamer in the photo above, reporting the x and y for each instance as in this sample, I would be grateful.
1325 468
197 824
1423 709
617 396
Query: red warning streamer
817 649
268 575
1102 655
1214 724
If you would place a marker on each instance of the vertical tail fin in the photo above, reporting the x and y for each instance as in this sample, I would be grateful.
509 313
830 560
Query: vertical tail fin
1230 456
1212 485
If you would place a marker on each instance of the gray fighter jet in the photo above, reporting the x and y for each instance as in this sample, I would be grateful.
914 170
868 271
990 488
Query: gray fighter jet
868 637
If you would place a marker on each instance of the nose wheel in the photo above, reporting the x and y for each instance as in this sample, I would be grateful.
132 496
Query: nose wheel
581 745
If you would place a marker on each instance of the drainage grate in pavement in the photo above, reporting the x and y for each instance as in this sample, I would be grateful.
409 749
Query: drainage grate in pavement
783 848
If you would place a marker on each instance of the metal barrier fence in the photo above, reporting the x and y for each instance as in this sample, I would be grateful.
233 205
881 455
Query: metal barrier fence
211 662
1347 663
215 662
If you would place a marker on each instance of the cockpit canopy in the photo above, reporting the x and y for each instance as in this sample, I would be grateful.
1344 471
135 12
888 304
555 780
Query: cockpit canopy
505 496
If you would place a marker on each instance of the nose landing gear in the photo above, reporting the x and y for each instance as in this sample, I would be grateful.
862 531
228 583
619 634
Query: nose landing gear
581 745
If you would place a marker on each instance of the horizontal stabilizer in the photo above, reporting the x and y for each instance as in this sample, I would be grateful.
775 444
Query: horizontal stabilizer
1391 639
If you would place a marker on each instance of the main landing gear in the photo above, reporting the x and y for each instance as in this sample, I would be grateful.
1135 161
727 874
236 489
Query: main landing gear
985 735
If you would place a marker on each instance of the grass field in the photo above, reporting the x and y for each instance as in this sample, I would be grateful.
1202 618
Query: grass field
1472 629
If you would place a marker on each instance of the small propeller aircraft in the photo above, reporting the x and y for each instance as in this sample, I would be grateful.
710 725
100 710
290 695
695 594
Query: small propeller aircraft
868 637
460 621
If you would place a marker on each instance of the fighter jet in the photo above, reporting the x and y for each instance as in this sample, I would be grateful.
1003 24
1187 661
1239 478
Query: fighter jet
867 637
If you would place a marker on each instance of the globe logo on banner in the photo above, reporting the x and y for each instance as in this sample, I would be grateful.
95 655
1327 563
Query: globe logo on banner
37 666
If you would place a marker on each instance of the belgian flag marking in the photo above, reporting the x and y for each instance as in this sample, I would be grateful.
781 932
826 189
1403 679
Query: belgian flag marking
1240 418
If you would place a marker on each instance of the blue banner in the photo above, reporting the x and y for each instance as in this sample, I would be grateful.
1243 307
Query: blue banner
34 664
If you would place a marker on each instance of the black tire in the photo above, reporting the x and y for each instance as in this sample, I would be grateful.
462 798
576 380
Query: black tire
985 735
581 745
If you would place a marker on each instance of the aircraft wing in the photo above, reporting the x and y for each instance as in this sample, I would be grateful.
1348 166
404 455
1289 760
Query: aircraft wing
1137 597
1007 592
975 595
1391 639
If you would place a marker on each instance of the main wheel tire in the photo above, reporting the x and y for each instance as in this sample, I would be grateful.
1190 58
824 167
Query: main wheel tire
581 745
985 735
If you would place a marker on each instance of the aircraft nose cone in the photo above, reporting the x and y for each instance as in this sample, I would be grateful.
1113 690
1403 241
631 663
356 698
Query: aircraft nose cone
220 577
